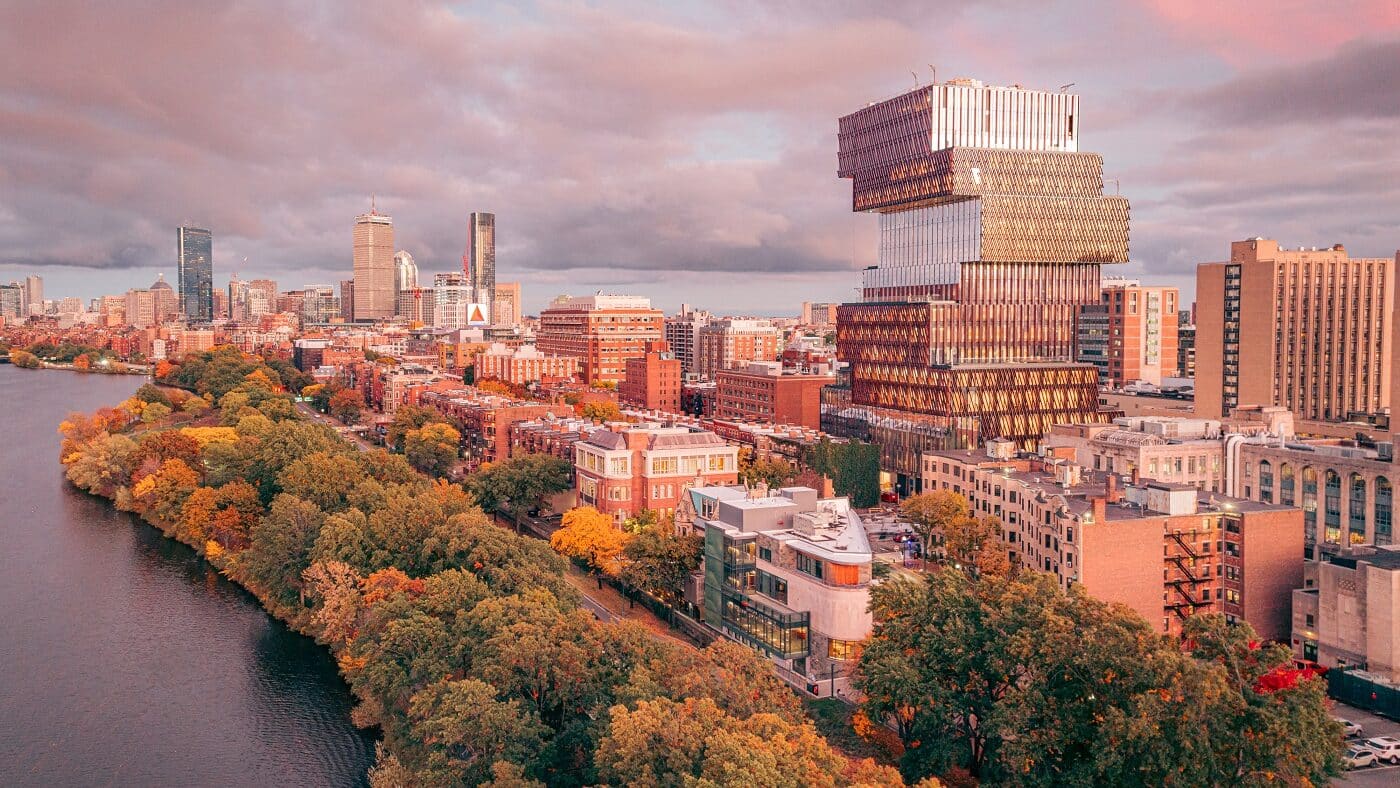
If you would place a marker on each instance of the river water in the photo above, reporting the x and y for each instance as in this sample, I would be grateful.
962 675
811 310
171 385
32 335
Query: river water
124 658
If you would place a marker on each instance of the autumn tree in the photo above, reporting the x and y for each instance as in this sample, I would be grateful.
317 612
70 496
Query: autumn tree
658 562
601 410
103 464
773 472
406 419
932 514
346 405
163 493
433 448
519 484
592 537
460 730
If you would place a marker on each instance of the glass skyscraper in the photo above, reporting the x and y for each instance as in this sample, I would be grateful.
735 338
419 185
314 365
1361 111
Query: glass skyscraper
195 261
480 262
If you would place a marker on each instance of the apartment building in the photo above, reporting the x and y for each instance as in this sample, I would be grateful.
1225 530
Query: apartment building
484 419
653 380
625 469
1168 551
523 365
601 331
765 392
1131 334
731 343
787 574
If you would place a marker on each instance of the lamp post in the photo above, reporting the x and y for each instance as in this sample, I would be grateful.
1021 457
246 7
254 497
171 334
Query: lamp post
833 679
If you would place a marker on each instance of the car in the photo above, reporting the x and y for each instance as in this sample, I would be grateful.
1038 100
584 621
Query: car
1356 757
1349 728
1387 748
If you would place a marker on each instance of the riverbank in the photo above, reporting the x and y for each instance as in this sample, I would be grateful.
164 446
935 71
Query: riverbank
455 635
113 368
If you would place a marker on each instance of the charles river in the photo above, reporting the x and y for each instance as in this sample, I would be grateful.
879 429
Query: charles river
124 659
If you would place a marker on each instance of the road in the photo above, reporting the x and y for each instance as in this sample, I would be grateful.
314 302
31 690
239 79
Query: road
320 418
1371 725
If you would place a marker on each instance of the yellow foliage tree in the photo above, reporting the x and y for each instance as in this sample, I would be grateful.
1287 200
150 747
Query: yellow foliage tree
208 435
592 537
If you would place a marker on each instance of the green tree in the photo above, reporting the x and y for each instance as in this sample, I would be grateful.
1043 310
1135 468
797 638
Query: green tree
852 466
519 484
658 562
149 393
460 731
432 449
774 472
406 419
280 545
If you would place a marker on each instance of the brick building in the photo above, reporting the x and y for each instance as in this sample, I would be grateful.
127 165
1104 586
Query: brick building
1168 551
732 343
601 331
524 365
765 392
653 380
485 419
626 469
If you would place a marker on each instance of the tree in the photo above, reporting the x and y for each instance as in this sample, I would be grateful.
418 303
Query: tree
592 537
773 472
280 544
25 360
154 412
460 731
167 490
1017 680
104 464
658 562
406 419
519 484
432 449
975 544
601 410
346 405
149 393
852 466
932 514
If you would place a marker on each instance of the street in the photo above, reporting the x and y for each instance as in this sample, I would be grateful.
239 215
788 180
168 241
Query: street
1371 725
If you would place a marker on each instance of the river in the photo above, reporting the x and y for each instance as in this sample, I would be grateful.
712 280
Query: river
124 658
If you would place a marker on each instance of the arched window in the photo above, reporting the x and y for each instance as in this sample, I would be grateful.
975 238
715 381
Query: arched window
1285 484
1332 506
1383 501
1356 509
1309 505
1266 481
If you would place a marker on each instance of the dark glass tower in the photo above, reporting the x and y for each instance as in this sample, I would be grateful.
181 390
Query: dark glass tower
195 261
480 262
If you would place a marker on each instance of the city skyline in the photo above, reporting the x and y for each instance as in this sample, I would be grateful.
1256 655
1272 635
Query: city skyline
1217 125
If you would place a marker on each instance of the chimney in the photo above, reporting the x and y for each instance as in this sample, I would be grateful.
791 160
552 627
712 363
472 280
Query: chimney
1100 510
1110 489
1137 479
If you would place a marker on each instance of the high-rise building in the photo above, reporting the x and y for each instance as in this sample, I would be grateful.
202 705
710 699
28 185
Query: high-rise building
732 342
993 227
479 263
416 305
1186 350
653 380
140 308
601 331
818 315
164 301
452 297
374 292
505 307
194 258
12 306
262 297
405 271
1311 330
347 299
319 304
1131 334
34 294
682 332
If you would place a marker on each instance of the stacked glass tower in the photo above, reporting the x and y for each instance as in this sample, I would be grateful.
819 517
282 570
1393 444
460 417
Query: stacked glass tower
993 227
194 259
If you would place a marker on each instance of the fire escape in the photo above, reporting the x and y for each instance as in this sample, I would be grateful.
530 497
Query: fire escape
1186 582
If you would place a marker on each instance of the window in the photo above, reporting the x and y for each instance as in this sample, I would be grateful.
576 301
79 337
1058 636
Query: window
660 465
808 565
1384 496
719 462
843 650
1356 510
765 554
772 586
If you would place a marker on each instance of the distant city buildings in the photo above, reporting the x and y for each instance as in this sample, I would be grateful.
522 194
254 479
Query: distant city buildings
453 297
479 263
523 365
405 271
818 315
194 258
652 381
733 342
1311 330
601 331
374 294
682 333
764 392
506 307
1131 334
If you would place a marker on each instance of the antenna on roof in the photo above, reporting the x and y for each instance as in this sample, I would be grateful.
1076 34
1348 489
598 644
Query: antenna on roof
933 72
1067 86
371 205
916 79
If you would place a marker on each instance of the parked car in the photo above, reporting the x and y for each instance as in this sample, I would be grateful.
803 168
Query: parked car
1357 757
1387 748
1349 728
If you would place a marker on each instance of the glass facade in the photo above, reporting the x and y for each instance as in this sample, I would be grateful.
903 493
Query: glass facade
194 253
731 580
1384 499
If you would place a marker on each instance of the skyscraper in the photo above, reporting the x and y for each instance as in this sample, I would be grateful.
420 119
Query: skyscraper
992 231
375 293
479 263
505 307
347 299
34 293
194 257
405 271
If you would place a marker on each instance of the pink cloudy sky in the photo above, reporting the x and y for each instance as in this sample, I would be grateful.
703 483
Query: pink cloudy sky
684 151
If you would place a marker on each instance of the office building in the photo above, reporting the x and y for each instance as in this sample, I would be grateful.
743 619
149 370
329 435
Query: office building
452 299
628 468
1350 617
732 343
319 304
764 392
1186 351
12 306
164 301
194 260
601 331
818 315
347 299
405 272
417 305
506 308
653 380
1311 330
140 308
1168 551
1131 334
787 574
479 263
34 294
992 231
374 291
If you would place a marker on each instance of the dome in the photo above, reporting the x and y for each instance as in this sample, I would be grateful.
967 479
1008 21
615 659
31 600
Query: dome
161 284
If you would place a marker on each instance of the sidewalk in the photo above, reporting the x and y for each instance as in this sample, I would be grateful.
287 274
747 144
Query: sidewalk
617 605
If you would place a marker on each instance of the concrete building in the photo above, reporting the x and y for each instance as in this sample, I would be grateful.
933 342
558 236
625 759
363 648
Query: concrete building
601 331
12 306
1169 551
484 419
34 294
452 298
653 380
626 469
319 304
418 305
347 299
818 315
140 308
1351 618
1186 351
523 365
765 392
682 331
789 575
194 259
732 343
1131 334
506 306
164 300
1311 330
993 228
374 294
